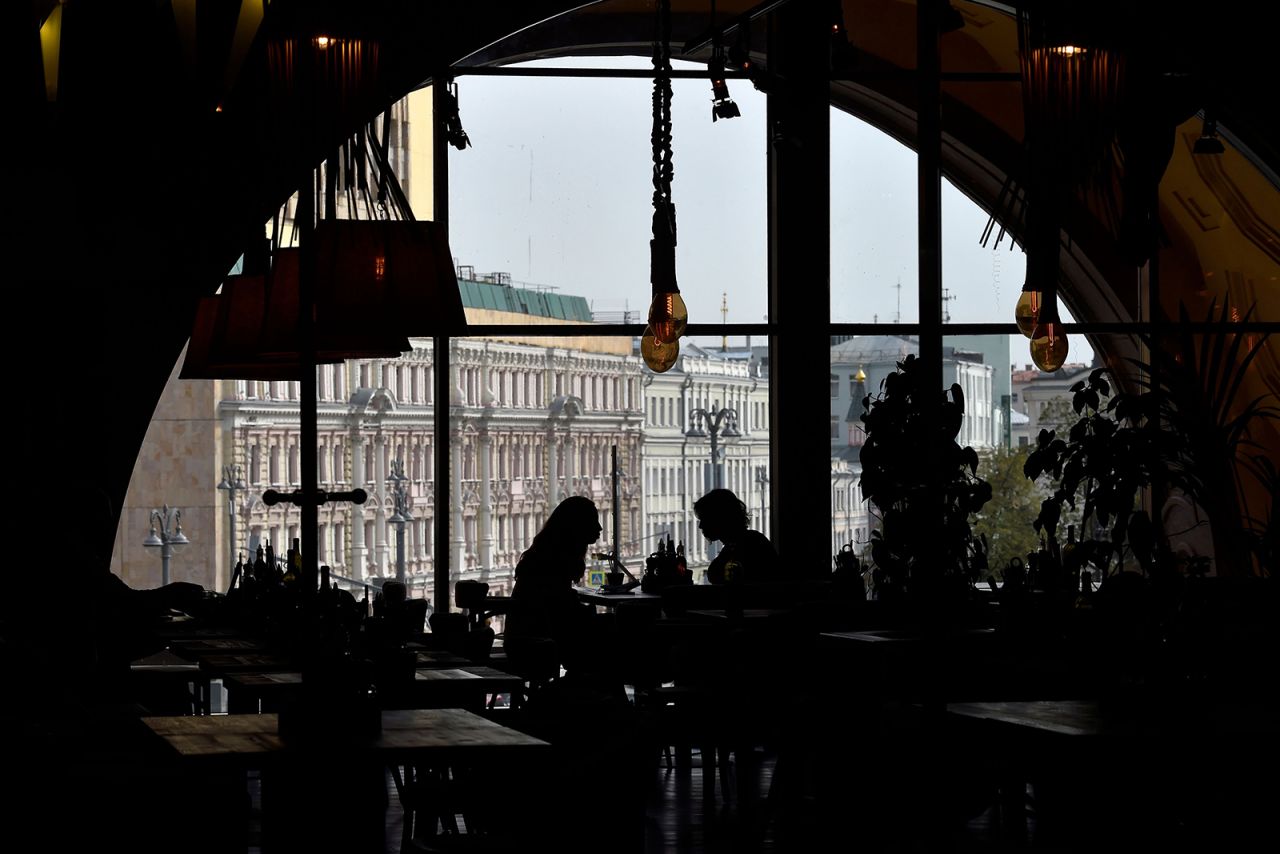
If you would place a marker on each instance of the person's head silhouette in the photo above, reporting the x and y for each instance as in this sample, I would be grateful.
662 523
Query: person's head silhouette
721 515
572 526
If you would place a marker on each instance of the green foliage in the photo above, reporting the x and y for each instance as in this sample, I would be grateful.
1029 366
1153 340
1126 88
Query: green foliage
1107 459
1007 521
1184 428
923 486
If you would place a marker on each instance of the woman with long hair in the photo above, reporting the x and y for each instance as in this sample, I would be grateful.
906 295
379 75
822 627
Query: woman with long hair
557 555
543 604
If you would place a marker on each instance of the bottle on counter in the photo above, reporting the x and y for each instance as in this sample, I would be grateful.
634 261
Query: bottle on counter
274 575
260 566
237 574
290 577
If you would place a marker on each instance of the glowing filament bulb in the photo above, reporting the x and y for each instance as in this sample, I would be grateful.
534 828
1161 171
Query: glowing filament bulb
1027 311
1049 345
668 317
379 267
659 356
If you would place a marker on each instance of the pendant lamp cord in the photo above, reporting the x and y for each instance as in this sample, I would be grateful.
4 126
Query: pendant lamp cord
661 136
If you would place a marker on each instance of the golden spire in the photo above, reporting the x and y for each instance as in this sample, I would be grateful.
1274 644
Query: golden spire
724 319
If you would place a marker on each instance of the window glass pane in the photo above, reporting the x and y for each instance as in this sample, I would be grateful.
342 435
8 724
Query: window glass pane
996 396
551 209
220 425
1037 401
859 363
874 270
561 445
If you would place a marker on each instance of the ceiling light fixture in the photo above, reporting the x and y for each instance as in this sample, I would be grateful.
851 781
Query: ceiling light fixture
722 106
668 315
452 121
1072 88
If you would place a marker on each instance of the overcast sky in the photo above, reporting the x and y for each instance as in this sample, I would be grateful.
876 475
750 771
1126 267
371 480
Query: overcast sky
556 190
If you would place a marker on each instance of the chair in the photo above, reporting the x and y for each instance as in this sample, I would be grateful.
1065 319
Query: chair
474 600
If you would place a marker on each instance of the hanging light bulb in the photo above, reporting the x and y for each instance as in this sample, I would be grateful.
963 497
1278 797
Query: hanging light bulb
1049 340
659 356
668 317
1027 310
1042 268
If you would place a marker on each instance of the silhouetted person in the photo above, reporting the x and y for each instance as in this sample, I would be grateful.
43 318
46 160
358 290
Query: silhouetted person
543 603
547 622
745 555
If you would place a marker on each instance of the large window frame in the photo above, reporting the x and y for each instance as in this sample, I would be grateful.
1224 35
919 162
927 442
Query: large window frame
798 246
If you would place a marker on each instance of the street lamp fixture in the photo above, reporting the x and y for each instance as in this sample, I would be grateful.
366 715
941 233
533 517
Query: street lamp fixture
232 480
762 486
169 536
704 424
401 516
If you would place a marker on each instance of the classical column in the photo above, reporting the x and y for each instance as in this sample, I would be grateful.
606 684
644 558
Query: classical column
485 522
359 567
380 496
457 536
553 481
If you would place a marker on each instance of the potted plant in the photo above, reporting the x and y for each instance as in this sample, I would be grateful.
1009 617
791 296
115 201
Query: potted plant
923 488
1184 431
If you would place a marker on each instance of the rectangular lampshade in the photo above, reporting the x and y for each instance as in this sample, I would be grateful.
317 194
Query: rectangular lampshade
225 335
376 283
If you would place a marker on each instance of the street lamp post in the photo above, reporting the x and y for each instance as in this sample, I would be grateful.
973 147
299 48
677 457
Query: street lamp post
232 481
713 425
166 539
762 485
400 496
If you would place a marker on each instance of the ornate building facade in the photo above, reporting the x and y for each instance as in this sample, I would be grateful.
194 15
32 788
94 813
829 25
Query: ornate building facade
679 465
530 424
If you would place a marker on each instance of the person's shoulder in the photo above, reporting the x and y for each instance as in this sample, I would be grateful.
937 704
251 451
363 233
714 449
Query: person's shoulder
755 540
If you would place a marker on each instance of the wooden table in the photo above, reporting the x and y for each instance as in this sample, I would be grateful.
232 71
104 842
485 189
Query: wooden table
301 781
1051 717
432 688
895 637
1082 755
436 659
596 596
416 736
744 614
896 665
164 670
213 645
237 662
